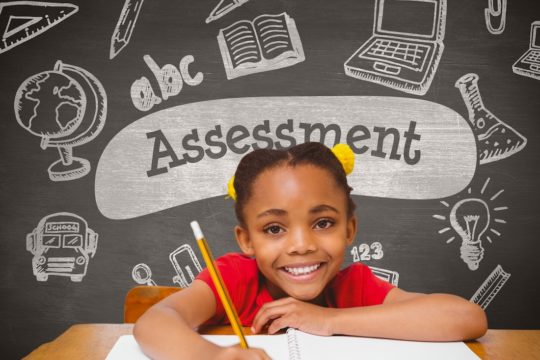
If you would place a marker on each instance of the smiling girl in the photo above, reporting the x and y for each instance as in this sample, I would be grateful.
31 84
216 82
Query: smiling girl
296 220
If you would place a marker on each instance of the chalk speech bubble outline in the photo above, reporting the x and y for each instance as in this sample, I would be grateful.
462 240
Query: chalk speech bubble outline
173 157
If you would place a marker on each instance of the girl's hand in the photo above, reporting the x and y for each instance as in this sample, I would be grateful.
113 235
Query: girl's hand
290 312
237 353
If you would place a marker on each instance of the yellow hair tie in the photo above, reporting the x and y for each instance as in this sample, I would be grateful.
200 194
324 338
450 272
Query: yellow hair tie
230 189
345 156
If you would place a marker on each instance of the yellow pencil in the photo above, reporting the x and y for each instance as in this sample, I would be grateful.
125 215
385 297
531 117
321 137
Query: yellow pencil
218 282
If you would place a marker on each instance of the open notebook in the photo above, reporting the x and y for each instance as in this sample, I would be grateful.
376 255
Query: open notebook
298 345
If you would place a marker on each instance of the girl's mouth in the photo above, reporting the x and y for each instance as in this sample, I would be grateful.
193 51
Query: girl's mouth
302 270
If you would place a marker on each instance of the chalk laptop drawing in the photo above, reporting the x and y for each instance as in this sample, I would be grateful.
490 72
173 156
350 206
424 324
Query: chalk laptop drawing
404 51
529 63
267 43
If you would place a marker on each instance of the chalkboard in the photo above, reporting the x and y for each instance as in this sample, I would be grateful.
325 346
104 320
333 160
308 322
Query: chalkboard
123 121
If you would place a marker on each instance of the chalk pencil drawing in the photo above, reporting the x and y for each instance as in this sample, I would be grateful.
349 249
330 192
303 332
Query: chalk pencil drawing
125 26
472 219
62 245
529 63
496 139
365 252
224 7
21 21
490 287
186 265
142 275
387 275
405 48
495 14
66 107
269 42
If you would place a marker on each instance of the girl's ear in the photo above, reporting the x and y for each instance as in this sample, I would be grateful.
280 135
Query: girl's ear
351 229
243 240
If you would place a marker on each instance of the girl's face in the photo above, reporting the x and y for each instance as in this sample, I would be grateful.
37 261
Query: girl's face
298 230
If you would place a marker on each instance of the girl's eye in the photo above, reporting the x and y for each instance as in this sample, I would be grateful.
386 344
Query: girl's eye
324 224
273 229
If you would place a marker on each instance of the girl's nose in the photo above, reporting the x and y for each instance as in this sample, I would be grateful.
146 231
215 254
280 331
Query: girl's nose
301 242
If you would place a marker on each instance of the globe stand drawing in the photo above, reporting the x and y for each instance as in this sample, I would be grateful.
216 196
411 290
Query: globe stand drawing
68 167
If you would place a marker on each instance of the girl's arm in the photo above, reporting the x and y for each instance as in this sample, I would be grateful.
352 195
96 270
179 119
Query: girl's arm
403 315
166 330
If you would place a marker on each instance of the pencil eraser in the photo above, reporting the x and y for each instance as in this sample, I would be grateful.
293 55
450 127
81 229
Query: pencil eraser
196 230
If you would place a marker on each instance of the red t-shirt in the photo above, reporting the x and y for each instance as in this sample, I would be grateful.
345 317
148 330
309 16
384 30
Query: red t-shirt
352 287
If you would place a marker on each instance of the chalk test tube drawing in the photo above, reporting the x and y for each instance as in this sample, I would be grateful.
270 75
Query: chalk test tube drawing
66 107
62 245
142 275
21 21
124 27
529 63
490 287
387 275
496 140
471 218
267 43
405 48
495 13
224 7
185 264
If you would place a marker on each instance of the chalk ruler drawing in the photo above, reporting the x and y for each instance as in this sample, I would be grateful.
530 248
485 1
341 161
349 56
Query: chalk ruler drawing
66 107
529 63
365 252
490 287
496 139
62 245
224 7
402 54
387 275
21 21
495 13
397 140
125 26
267 43
170 81
473 219
186 265
142 275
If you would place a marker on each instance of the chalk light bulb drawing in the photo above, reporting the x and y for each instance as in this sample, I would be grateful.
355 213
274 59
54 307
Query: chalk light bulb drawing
470 219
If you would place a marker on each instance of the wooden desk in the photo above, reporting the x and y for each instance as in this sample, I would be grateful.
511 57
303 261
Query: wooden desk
94 341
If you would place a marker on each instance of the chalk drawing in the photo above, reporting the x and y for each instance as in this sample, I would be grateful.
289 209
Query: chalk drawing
496 139
142 275
224 7
125 25
405 48
185 264
62 245
473 219
490 287
529 63
495 13
365 252
23 20
66 107
387 275
267 43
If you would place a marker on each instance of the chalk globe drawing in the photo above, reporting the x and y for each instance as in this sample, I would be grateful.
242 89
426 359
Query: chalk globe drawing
66 107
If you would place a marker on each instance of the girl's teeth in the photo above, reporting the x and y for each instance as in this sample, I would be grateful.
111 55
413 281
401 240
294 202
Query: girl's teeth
302 270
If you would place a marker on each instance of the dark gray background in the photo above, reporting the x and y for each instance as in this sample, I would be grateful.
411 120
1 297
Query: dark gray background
33 312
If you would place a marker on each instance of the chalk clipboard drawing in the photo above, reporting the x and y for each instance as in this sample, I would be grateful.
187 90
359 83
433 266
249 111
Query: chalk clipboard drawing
21 21
125 26
529 63
490 287
403 55
496 139
186 265
66 107
473 219
269 42
62 245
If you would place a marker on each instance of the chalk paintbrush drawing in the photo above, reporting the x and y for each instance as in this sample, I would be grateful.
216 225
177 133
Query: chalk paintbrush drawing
405 48
267 43
186 265
495 16
490 287
21 21
529 63
366 252
496 139
125 26
65 107
473 219
142 275
62 245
